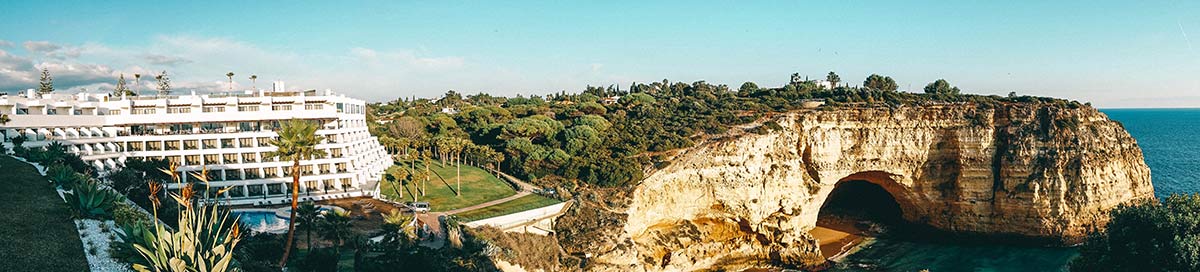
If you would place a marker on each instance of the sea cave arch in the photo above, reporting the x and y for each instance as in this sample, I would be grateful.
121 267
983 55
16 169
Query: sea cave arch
859 202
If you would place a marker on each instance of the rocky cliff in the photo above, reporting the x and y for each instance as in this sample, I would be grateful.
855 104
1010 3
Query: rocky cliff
1030 170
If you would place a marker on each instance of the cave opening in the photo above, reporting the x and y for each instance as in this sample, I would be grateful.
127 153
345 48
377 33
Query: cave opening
854 209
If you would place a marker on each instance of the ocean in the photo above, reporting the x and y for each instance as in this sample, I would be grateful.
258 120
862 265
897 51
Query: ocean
1170 142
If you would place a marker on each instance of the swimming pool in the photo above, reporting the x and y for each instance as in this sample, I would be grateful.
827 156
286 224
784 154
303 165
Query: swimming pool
261 220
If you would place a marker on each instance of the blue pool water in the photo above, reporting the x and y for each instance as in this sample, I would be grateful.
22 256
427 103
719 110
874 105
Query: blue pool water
1170 142
261 221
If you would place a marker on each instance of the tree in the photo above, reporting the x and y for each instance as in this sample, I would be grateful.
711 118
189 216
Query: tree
880 83
46 85
308 215
137 82
747 89
940 87
121 89
253 78
297 141
1151 236
164 83
833 79
335 226
4 121
230 75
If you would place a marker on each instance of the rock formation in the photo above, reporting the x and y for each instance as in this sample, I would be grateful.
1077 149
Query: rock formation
1032 170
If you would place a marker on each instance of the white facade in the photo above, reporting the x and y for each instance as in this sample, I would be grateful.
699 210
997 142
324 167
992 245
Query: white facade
227 133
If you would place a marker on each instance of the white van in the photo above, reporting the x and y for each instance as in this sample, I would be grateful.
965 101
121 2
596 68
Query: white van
420 207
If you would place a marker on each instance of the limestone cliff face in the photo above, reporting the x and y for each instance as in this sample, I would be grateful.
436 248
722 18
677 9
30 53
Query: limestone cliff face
1032 170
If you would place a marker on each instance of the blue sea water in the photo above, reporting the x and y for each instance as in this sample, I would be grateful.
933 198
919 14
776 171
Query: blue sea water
1170 142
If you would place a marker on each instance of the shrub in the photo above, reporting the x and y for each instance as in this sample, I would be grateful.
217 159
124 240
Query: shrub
125 214
1150 236
64 177
92 201
319 260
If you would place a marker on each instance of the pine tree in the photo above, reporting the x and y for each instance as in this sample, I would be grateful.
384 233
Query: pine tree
47 84
164 83
121 88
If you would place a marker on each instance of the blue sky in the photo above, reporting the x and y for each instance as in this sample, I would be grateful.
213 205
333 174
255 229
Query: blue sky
1114 54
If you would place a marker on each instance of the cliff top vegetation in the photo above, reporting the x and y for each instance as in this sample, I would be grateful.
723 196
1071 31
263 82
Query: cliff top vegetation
608 136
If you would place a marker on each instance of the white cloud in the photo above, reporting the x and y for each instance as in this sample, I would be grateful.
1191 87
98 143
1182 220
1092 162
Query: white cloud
166 60
41 46
200 64
5 44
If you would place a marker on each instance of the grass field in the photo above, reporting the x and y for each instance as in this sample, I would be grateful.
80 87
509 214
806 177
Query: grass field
36 228
516 205
478 186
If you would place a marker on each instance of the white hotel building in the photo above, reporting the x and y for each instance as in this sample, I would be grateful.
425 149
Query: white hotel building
227 133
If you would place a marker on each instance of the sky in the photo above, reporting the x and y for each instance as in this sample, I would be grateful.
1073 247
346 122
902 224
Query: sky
1110 53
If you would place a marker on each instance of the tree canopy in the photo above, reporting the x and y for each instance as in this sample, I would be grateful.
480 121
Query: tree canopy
1153 236
880 83
940 87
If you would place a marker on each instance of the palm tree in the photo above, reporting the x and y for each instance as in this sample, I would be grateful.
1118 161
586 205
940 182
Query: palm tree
297 141
308 216
252 79
4 121
230 75
137 81
336 227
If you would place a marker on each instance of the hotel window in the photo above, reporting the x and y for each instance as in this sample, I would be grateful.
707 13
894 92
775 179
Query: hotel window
212 159
214 175
135 146
313 106
212 127
306 170
347 183
248 108
331 138
77 112
231 174
275 189
114 112
255 190
227 143
190 144
329 185
51 111
192 159
144 111
341 167
231 158
252 173
281 107
214 109
246 142
210 143
153 146
310 186
183 109
271 172
264 141
249 157
335 153
287 171
173 145
248 126
325 168
266 157
174 160
237 191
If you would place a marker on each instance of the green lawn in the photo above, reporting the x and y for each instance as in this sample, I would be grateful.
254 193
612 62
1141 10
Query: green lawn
478 186
36 230
524 203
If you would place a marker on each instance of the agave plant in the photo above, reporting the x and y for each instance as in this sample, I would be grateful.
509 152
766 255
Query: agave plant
91 200
63 176
204 240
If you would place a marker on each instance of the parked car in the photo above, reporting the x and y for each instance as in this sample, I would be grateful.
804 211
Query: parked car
419 207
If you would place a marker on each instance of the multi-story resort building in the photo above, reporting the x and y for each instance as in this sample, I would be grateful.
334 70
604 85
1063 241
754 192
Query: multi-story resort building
226 133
